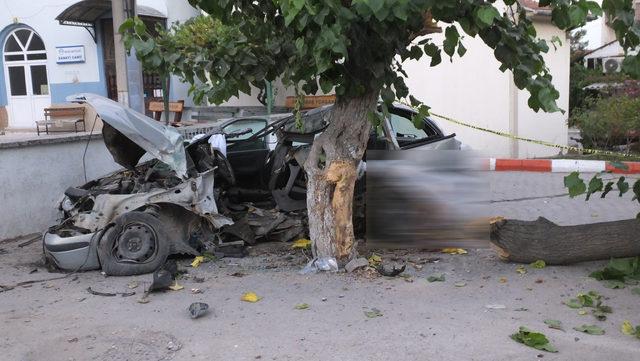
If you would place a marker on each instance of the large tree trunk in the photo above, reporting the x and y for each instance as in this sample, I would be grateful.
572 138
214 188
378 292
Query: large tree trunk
330 181
528 241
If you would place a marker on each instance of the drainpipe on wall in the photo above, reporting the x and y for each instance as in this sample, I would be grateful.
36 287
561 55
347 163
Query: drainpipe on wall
513 117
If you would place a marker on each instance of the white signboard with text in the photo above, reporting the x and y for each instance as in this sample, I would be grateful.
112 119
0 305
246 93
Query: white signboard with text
70 54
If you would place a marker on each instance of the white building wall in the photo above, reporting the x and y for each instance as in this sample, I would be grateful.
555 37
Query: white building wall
471 89
550 127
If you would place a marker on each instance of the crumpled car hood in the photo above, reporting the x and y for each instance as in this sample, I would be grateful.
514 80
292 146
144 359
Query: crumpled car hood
129 134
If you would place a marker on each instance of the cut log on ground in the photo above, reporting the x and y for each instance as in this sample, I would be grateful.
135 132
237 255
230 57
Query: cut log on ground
529 241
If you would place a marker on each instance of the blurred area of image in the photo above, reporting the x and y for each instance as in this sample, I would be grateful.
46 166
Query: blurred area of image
426 199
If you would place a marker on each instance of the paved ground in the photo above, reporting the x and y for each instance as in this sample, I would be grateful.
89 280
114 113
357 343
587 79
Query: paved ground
60 320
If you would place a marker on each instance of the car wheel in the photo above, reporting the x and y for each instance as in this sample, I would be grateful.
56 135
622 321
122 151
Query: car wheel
136 244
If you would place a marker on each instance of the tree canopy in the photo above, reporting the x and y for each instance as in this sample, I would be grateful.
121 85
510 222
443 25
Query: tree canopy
358 45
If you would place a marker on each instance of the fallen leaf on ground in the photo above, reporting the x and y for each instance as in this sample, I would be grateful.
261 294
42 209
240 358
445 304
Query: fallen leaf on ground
521 309
502 279
175 286
301 243
539 264
539 280
454 251
521 270
627 328
555 324
373 313
582 312
436 277
460 284
143 300
250 297
533 339
590 329
374 260
302 306
196 290
197 261
132 284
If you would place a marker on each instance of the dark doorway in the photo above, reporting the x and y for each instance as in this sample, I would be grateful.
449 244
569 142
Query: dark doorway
151 81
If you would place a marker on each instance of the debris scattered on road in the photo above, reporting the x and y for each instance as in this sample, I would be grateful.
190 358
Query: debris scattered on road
628 329
302 306
197 261
436 277
590 300
619 269
533 339
33 271
250 297
197 279
132 284
373 313
374 260
198 309
196 291
590 329
502 279
176 286
495 307
71 340
539 264
521 270
454 251
391 272
301 243
460 284
356 264
554 324
109 294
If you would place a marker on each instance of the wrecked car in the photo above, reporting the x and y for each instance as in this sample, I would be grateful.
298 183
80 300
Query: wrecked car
130 221
279 170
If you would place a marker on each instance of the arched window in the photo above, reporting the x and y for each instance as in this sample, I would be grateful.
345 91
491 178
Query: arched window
24 44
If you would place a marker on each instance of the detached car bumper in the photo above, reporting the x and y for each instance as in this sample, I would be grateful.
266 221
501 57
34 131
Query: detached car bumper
73 253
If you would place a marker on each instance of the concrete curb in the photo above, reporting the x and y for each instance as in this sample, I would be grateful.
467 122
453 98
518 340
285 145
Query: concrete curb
562 166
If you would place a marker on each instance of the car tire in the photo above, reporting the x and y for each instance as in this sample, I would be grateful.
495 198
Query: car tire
135 244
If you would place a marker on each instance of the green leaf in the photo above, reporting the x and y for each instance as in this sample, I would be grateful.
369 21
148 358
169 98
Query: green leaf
533 339
555 324
607 188
433 52
590 329
486 14
461 50
636 190
539 264
373 313
301 306
595 185
388 96
575 184
437 277
622 185
451 37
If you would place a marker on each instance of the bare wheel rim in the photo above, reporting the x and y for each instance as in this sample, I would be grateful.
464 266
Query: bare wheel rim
136 243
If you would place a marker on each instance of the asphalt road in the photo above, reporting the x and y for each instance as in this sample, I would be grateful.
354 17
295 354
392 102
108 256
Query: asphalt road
60 320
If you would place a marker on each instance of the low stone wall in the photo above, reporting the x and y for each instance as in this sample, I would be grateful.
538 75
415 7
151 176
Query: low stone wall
35 172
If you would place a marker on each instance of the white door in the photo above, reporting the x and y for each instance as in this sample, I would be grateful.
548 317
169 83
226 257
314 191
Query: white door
25 71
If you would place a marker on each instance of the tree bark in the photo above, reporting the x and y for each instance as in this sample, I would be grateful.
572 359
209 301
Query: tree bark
330 181
528 241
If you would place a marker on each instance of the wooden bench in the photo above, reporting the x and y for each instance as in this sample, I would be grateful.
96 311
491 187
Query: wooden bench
157 107
60 116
